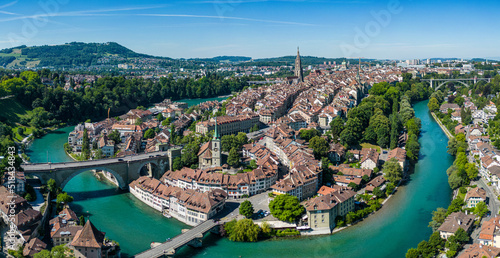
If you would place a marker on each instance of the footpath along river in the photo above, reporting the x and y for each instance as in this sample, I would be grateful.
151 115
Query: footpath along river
399 225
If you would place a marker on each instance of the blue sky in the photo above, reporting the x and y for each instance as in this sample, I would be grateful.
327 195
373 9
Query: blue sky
205 28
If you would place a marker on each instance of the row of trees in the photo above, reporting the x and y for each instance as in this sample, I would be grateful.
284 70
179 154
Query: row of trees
462 171
381 117
117 93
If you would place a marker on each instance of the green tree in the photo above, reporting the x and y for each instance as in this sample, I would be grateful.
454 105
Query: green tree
160 117
115 136
351 135
320 146
481 209
412 147
378 193
253 164
246 209
81 221
190 154
234 158
392 171
228 142
85 144
471 171
177 164
426 249
455 180
462 236
241 139
436 241
51 185
412 253
99 154
266 228
244 231
138 121
286 207
308 134
433 105
455 206
64 198
438 217
337 126
389 189
456 144
149 134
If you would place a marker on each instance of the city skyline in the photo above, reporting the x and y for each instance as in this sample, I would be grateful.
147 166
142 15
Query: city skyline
260 29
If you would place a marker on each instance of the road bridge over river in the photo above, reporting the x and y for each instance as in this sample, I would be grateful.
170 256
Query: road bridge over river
125 169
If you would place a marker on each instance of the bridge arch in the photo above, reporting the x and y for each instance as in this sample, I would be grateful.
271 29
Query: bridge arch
443 83
159 165
121 182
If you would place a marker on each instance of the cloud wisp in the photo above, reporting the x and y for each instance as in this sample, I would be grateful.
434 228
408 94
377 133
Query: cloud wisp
227 17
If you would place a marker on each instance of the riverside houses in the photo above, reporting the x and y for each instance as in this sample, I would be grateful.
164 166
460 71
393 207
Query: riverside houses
322 210
454 221
25 220
187 205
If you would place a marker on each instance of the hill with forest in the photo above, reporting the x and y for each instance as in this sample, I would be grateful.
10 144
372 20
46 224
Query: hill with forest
72 54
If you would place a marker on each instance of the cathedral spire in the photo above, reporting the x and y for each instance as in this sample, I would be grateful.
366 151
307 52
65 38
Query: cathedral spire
298 67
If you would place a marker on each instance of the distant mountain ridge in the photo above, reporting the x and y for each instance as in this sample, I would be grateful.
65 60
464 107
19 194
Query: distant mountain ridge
79 54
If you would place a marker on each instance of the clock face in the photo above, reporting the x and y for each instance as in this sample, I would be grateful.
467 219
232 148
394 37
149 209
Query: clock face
215 149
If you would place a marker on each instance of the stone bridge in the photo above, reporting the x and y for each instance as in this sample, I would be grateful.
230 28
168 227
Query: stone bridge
125 169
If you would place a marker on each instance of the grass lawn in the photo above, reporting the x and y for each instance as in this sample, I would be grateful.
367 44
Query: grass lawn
12 111
368 145
27 131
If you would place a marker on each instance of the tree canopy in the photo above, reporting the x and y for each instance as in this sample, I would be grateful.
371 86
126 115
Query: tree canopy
286 207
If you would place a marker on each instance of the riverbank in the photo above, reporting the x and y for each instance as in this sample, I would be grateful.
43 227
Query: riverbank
445 130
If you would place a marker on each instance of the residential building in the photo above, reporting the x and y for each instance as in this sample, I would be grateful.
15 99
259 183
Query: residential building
490 232
187 205
369 158
454 221
322 210
229 124
374 183
33 247
480 251
400 155
88 242
22 218
475 196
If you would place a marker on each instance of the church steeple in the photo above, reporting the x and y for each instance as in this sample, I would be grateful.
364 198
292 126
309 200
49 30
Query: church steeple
216 133
216 148
298 67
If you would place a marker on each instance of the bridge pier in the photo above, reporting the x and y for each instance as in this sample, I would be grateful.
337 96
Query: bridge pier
197 241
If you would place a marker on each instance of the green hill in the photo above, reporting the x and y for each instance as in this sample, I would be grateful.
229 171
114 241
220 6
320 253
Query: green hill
67 55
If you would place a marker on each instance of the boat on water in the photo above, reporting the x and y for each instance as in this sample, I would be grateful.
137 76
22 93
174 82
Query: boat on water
166 214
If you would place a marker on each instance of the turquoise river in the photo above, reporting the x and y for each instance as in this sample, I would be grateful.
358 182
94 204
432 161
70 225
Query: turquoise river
399 225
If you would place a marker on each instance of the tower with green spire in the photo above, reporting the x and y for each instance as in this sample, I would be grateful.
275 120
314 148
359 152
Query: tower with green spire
216 148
